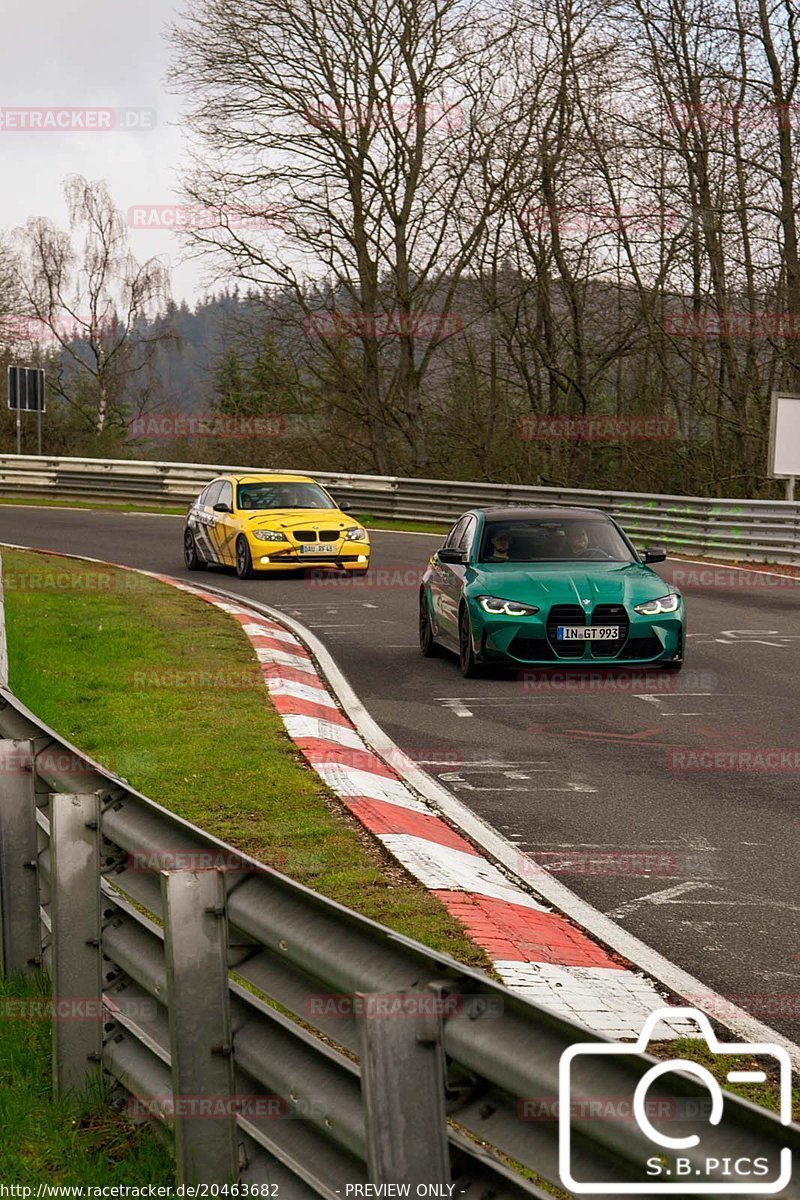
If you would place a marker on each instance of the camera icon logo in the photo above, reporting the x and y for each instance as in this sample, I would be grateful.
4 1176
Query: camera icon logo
672 1162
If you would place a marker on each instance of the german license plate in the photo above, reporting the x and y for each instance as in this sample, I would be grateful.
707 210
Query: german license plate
587 633
317 547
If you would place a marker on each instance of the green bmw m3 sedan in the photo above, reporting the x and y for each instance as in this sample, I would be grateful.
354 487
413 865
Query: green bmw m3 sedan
548 586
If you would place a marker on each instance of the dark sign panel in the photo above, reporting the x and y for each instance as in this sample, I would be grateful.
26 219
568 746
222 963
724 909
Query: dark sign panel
26 389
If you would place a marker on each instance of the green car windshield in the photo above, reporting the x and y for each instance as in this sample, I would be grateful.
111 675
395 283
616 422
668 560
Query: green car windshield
563 539
281 495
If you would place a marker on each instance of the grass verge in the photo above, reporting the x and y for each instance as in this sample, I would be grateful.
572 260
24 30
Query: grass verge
62 1142
371 522
34 502
164 689
766 1095
403 526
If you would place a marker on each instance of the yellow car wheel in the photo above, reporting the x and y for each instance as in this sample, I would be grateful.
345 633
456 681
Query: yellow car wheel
190 556
244 559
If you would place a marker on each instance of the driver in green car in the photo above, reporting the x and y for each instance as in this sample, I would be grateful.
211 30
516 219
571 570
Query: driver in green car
501 543
577 540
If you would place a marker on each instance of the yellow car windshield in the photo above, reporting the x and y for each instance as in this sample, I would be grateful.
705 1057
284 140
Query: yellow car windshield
262 496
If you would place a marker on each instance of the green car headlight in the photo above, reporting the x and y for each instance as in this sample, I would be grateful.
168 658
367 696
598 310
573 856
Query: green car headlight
356 534
269 535
664 604
510 608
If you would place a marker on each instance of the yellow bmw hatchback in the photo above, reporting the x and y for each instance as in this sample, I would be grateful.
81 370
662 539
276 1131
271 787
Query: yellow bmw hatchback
261 523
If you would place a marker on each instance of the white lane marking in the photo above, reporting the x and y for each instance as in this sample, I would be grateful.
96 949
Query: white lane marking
326 604
461 784
526 702
445 868
745 637
337 626
614 1003
478 765
328 731
409 532
85 509
365 605
665 896
457 707
448 762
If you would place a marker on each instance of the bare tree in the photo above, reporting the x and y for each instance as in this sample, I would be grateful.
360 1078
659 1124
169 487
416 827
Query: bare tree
360 127
92 296
568 176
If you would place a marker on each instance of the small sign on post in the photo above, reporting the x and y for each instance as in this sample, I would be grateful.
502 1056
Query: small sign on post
26 394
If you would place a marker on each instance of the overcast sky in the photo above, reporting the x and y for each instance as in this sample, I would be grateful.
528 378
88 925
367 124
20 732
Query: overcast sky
92 54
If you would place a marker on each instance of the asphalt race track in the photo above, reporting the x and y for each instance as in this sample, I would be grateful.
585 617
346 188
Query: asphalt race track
592 780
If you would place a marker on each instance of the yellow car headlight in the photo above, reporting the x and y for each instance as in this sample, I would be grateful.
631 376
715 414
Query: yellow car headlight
268 535
356 534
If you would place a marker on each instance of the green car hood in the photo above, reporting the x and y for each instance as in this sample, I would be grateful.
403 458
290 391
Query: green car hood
545 584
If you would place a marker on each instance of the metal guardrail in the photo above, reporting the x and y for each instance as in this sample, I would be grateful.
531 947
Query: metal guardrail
746 530
330 1051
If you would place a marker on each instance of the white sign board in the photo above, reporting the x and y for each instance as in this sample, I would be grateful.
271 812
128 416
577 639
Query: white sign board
784 437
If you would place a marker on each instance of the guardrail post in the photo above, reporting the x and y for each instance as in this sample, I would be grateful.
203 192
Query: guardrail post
20 929
75 913
403 1085
201 1041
